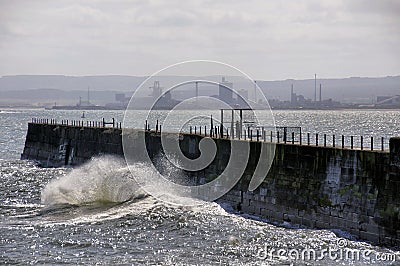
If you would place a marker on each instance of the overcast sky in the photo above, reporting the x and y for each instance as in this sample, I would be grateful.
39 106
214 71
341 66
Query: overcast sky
266 39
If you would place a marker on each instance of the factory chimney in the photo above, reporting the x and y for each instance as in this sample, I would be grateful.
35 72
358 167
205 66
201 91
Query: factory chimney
315 87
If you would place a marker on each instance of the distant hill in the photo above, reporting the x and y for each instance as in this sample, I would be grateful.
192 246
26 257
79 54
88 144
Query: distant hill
24 82
50 97
67 89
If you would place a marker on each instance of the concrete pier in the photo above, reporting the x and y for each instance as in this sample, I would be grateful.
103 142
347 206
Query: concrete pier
357 191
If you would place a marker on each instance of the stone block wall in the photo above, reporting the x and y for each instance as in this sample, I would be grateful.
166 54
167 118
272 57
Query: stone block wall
57 145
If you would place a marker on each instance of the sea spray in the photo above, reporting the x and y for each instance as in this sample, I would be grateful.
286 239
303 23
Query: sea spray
104 179
107 179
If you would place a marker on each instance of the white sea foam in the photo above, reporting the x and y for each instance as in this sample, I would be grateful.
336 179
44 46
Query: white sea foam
104 179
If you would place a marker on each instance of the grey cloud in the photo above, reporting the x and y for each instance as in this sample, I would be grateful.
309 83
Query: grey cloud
131 37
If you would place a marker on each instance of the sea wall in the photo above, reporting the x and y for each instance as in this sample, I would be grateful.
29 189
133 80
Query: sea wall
60 145
356 191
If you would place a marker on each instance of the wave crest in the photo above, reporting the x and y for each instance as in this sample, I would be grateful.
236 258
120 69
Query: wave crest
104 179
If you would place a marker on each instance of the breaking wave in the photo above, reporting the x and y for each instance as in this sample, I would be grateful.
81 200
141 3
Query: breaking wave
102 180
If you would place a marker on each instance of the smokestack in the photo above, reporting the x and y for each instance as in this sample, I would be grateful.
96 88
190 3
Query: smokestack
315 87
320 92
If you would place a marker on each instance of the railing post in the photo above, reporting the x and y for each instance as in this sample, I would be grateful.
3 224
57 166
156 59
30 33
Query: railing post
145 125
342 141
362 144
251 134
351 142
271 136
308 139
372 143
277 136
383 145
316 139
324 140
292 137
333 140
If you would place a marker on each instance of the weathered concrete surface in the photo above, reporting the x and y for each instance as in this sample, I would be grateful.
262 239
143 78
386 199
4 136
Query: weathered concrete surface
352 190
56 145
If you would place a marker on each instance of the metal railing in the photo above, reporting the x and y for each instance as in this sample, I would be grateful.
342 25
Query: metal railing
79 123
284 135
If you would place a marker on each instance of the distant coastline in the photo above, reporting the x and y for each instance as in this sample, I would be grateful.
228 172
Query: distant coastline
5 107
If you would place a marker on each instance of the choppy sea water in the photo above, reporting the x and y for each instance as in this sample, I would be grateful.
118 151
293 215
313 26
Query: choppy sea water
95 214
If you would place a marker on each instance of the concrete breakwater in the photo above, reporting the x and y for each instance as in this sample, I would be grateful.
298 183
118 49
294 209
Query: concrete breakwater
356 191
